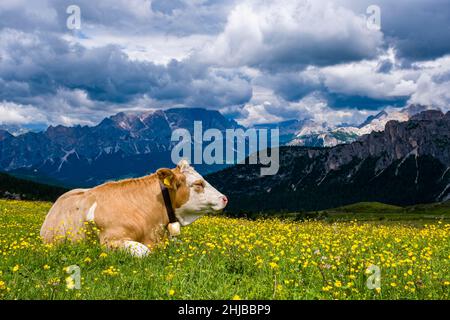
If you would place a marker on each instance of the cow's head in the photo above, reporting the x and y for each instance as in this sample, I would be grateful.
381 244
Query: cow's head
192 196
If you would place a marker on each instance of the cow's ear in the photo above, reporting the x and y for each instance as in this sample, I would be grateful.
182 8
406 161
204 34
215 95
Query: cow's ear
167 177
183 165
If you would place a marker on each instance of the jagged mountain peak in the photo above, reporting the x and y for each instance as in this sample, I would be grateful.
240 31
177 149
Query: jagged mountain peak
185 117
308 132
407 163
176 117
122 145
369 119
123 121
428 115
415 108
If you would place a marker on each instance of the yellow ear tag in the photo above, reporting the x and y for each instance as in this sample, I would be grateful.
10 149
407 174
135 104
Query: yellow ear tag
167 182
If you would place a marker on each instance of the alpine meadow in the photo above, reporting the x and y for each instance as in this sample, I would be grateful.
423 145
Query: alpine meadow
228 258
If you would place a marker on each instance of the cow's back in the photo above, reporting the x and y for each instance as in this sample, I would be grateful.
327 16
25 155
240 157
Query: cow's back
66 219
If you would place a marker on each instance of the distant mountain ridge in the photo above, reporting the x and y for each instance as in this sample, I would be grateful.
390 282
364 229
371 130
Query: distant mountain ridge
18 129
406 164
310 133
123 145
136 143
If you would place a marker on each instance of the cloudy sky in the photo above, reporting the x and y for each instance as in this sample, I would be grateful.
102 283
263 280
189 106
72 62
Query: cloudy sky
255 61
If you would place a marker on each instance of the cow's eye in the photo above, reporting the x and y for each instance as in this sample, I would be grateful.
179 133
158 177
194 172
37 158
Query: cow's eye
199 184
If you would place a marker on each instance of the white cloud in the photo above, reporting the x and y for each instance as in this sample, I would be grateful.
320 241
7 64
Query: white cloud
156 48
426 83
285 34
313 107
12 113
257 114
431 93
316 108
71 107
363 79
433 83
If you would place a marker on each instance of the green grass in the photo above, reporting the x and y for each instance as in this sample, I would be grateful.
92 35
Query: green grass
368 207
376 211
224 258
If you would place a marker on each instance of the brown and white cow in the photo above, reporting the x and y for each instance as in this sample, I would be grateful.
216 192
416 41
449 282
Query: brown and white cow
131 214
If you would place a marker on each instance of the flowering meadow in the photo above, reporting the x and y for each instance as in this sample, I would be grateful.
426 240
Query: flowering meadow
224 258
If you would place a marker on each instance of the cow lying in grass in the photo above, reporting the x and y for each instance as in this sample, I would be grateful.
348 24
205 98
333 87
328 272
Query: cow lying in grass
134 214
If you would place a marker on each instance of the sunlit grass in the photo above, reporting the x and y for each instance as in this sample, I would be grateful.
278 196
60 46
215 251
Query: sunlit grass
222 258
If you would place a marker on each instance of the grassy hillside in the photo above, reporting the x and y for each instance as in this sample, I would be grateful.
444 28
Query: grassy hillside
367 207
25 189
382 208
224 258
433 208
375 211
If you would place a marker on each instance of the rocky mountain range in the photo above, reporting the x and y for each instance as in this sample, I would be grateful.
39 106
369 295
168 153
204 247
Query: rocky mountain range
407 163
124 145
134 144
18 129
310 133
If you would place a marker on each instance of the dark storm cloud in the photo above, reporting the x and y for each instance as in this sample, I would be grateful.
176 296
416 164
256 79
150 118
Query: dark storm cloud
292 86
418 29
39 64
181 17
288 45
363 102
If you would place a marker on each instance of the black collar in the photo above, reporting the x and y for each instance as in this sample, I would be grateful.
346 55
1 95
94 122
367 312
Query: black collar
168 203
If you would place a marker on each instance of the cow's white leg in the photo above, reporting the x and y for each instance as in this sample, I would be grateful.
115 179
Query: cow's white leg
136 249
